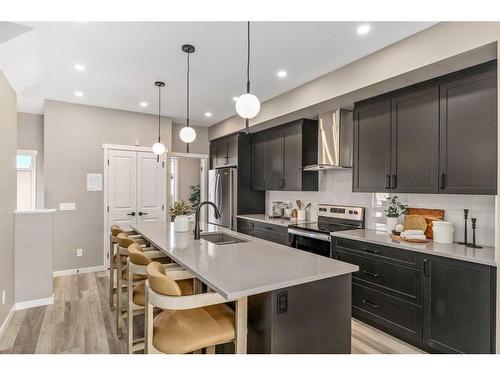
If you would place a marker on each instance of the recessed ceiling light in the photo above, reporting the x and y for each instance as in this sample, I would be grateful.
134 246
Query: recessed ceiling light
235 98
282 74
208 114
363 29
79 67
143 104
78 93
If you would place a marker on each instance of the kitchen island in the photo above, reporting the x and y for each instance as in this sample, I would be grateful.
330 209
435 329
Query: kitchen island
293 301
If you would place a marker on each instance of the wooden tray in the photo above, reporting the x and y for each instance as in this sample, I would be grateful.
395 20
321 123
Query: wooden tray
399 238
429 215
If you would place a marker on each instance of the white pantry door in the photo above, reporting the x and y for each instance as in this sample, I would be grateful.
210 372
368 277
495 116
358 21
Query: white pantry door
150 181
122 188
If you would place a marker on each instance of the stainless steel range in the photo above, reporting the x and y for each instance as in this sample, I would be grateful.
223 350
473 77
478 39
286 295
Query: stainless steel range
316 237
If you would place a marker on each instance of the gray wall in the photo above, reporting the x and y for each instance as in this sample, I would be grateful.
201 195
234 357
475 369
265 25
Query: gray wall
8 179
189 174
200 144
74 135
30 137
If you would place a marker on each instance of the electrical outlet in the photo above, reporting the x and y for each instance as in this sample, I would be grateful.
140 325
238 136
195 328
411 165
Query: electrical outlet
79 252
4 296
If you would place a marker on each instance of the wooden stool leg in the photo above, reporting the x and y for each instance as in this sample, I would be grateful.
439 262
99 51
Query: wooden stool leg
111 274
130 315
119 297
210 350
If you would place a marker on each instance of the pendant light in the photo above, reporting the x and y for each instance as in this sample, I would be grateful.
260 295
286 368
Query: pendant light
187 133
248 105
159 148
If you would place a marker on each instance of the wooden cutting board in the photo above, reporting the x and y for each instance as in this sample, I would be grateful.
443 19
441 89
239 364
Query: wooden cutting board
399 238
429 215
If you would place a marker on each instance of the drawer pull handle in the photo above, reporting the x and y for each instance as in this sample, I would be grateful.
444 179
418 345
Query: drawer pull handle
370 273
369 303
370 251
268 228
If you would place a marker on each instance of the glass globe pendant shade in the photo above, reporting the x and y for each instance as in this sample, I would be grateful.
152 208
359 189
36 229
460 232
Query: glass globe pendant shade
247 106
187 134
158 148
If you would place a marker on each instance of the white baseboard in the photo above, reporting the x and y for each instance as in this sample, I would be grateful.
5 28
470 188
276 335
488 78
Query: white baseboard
34 303
79 270
7 320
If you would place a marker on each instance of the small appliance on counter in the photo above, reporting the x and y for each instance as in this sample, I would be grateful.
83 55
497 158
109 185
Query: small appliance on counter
277 209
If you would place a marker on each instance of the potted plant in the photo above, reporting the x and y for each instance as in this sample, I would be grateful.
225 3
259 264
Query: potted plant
393 211
180 210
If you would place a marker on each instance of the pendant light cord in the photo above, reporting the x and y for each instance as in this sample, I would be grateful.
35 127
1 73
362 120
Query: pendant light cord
187 92
159 114
248 57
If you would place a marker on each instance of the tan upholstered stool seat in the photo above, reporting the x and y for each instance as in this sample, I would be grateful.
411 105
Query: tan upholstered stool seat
135 278
139 296
184 331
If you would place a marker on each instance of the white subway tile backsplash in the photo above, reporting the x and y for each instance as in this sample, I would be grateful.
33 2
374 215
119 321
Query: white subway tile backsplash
336 188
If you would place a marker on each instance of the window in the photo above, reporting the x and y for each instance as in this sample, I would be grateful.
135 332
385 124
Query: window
26 179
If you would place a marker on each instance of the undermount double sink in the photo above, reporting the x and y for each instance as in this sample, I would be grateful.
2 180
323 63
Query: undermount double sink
218 238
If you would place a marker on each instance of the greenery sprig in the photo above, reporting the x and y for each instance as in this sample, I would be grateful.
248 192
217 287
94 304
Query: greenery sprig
395 207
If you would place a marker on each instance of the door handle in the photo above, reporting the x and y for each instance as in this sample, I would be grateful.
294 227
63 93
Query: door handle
142 213
131 213
370 303
443 181
394 181
370 273
427 270
387 181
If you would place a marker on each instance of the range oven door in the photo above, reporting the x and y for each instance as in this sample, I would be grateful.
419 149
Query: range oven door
312 242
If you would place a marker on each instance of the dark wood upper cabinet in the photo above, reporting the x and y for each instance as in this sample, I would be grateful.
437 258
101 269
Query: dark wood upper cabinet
372 146
275 169
259 159
414 141
224 152
279 153
468 119
438 136
458 306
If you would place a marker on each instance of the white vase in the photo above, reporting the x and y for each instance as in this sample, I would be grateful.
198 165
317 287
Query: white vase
391 224
181 223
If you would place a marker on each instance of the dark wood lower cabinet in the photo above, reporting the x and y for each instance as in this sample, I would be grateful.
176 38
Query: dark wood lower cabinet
265 231
439 304
458 306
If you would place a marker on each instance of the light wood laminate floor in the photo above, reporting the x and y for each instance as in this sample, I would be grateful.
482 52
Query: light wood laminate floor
80 321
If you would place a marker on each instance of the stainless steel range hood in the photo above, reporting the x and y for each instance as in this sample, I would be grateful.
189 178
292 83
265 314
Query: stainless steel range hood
335 137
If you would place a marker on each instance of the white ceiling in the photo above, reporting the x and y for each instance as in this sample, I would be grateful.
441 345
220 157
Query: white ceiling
123 59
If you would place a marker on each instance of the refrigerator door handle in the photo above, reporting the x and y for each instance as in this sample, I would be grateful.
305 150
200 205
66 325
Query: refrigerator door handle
231 199
216 192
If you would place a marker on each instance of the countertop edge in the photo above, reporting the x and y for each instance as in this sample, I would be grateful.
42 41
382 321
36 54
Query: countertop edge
409 247
267 220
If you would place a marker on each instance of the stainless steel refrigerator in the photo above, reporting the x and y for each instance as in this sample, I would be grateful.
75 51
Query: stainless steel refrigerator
222 190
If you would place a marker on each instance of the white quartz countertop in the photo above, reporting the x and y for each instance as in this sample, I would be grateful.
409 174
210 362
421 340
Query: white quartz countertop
277 221
242 269
486 255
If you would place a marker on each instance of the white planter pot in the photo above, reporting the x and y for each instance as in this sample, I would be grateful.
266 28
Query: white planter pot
181 223
391 224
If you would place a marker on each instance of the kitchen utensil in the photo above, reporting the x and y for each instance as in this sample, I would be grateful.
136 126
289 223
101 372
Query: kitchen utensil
429 214
443 231
466 217
399 238
415 222
308 206
301 215
299 204
473 244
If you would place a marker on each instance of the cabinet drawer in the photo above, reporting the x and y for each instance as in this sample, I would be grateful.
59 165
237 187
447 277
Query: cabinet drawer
370 250
401 282
400 318
271 232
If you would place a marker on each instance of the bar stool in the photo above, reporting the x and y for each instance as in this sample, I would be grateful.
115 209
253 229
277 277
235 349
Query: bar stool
124 241
113 241
137 264
187 323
